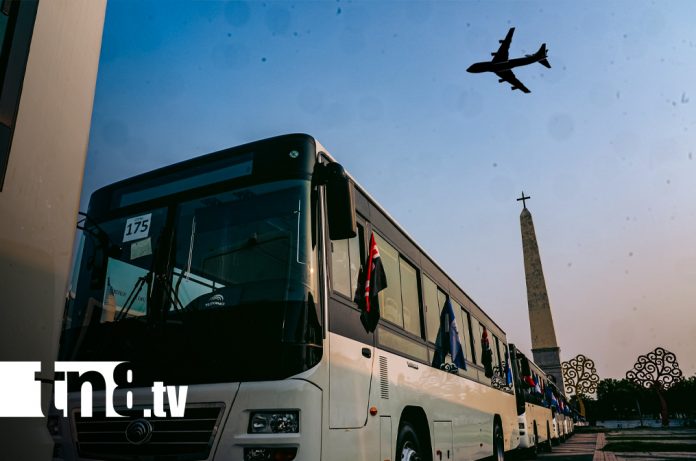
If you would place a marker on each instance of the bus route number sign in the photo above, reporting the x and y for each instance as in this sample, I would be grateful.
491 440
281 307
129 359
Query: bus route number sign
137 228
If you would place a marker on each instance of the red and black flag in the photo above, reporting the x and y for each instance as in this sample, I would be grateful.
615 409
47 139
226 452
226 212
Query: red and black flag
372 281
526 372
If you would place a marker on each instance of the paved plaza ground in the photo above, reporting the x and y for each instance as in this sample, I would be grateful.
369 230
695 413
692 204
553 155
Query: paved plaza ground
640 444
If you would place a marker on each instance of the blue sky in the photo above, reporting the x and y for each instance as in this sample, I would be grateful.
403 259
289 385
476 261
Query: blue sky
604 144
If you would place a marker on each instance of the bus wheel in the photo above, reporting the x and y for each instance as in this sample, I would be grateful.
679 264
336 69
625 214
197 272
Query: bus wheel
549 445
535 448
498 442
408 446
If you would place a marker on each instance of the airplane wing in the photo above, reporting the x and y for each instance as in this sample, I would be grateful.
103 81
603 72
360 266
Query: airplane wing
502 53
509 77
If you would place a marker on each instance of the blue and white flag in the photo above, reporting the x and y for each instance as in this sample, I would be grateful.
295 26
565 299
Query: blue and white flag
447 341
455 346
554 401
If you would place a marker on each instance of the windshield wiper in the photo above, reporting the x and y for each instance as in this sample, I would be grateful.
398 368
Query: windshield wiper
133 295
147 279
173 295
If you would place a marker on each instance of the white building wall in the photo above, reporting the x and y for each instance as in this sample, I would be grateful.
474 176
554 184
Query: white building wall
40 196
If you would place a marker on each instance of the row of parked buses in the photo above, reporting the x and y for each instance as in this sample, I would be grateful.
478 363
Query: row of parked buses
545 416
253 275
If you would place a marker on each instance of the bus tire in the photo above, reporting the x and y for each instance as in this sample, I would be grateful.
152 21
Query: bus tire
549 445
534 450
498 441
408 444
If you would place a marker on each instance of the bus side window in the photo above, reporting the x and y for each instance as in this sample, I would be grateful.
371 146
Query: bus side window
498 355
399 302
478 328
409 297
435 300
494 349
356 251
506 356
346 257
432 308
390 304
340 267
461 314
472 340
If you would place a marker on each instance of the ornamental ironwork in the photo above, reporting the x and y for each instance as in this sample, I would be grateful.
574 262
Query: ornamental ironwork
657 370
580 376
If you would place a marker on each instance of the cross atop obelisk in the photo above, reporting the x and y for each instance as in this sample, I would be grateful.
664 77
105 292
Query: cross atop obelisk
545 349
523 198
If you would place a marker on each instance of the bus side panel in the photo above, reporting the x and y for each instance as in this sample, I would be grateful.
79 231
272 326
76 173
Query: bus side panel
542 416
468 405
350 368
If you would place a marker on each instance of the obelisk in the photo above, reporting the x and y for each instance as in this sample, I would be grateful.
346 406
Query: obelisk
545 349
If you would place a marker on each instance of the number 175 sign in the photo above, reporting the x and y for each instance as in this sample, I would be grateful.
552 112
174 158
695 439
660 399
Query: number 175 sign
137 228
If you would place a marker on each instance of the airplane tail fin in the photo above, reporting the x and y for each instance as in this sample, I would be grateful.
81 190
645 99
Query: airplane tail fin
542 54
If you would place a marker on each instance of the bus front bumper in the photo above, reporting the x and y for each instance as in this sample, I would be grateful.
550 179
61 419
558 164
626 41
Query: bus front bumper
237 440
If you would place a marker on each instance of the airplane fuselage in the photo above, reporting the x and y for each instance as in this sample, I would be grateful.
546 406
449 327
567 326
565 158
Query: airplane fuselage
490 66
502 66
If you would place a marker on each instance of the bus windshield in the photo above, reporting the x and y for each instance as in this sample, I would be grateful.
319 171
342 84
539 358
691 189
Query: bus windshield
218 287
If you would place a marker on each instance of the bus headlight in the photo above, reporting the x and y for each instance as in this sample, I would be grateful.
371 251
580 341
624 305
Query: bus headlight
272 422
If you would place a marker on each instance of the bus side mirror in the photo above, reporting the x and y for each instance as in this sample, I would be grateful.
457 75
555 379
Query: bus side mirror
339 201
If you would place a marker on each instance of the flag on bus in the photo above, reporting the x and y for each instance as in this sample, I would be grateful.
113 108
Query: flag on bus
508 370
548 393
447 341
486 354
529 381
526 373
371 282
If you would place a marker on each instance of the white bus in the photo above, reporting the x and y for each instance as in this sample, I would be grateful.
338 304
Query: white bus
234 273
536 421
563 415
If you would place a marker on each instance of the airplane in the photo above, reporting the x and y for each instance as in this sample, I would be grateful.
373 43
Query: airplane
501 65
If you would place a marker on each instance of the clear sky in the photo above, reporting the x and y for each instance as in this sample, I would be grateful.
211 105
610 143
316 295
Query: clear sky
604 144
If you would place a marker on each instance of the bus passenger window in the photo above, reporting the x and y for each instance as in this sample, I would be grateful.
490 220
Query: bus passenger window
441 299
499 354
399 302
434 302
340 267
494 350
471 337
356 252
345 264
460 314
409 296
432 309
478 334
390 298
